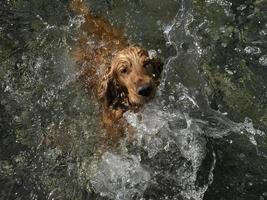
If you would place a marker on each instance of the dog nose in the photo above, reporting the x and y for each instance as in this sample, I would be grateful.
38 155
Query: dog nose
144 90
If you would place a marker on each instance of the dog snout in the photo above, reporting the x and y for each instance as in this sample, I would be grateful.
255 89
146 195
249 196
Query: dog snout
144 90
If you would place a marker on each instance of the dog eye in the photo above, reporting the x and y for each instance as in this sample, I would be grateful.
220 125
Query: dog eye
124 70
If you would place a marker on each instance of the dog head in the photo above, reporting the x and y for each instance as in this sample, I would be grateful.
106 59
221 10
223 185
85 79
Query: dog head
133 76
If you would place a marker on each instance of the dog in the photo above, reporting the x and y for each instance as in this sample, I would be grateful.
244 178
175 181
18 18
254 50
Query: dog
122 77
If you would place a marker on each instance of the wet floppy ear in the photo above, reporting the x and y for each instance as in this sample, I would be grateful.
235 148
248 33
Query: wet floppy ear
108 91
157 67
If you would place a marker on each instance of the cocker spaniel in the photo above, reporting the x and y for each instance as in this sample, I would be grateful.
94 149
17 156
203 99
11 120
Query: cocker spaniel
130 82
121 76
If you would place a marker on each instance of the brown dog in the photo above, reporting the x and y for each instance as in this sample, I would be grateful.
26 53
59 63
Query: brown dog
120 76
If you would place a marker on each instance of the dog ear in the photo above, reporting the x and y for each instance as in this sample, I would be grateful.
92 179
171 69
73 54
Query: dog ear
108 92
157 67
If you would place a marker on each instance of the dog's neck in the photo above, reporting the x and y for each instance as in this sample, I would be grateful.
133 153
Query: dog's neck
119 107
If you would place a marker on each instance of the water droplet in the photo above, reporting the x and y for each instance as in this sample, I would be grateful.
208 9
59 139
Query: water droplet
263 60
229 71
263 32
224 44
171 98
241 7
252 50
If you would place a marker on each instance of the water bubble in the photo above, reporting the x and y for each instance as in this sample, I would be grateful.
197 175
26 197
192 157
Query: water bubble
229 71
263 60
120 177
263 32
241 7
252 50
224 44
172 98
152 53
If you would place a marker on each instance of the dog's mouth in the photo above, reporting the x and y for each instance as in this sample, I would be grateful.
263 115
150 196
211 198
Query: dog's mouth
142 95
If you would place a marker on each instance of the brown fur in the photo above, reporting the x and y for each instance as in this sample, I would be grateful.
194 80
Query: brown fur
112 70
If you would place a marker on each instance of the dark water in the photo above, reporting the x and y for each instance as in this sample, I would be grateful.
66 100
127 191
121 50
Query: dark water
202 137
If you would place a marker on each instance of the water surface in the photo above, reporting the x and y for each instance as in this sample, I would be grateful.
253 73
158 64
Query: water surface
202 137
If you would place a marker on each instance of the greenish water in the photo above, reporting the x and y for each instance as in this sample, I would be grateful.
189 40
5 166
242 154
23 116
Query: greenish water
202 137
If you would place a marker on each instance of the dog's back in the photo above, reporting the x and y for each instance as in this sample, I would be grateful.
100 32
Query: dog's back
97 42
139 74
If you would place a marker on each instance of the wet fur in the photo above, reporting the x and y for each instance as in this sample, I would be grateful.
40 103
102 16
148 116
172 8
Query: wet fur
99 50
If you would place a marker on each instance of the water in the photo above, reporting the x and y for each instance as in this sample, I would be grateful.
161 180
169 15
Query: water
202 137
